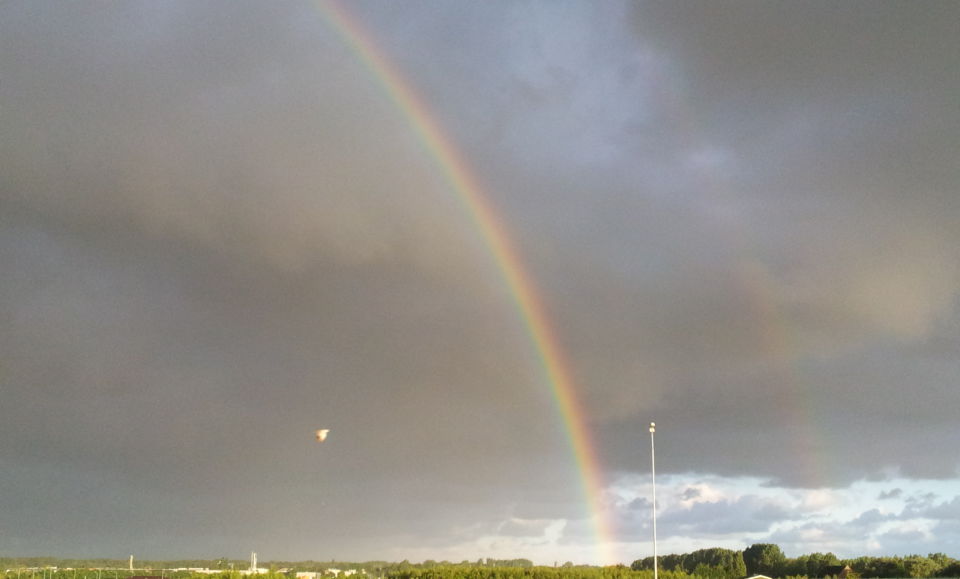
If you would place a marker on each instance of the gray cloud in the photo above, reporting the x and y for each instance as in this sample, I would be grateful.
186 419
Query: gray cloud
218 233
871 517
523 528
943 511
746 514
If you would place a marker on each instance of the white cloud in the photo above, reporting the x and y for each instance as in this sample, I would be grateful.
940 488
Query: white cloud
697 511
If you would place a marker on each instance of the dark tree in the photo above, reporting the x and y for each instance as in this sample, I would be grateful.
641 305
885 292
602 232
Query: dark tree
764 559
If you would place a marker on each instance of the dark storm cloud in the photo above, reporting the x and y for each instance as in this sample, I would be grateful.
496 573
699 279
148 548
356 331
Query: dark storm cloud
180 135
787 238
217 238
771 224
218 234
840 254
523 528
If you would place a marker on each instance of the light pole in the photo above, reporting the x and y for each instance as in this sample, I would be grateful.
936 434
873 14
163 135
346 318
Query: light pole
653 478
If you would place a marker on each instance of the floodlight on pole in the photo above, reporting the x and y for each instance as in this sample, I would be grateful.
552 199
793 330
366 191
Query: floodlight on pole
653 478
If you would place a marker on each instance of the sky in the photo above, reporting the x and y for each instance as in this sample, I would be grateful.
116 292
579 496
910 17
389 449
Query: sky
220 231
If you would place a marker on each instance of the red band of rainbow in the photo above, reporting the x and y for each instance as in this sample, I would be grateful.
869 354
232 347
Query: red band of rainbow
491 227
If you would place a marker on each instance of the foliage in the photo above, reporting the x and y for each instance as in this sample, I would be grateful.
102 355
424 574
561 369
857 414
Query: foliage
712 563
761 558
764 559
563 572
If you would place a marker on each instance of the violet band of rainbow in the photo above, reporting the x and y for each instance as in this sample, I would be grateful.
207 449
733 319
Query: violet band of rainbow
519 282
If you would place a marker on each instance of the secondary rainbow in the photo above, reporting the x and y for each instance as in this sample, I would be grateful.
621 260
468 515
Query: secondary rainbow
775 335
491 227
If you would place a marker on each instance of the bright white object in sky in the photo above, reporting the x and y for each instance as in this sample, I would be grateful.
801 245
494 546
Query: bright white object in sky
322 434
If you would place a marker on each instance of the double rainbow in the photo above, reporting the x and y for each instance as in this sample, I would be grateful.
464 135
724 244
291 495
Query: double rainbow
521 285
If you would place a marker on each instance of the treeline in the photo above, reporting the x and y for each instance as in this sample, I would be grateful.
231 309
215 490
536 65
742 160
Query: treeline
758 559
767 559
121 564
713 563
59 568
55 571
567 571
380 568
403 570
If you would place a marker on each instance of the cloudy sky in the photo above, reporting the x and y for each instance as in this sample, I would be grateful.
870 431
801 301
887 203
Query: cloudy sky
219 232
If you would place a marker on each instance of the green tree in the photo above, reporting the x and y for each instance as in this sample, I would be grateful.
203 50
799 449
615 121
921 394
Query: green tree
817 561
941 559
764 559
918 566
729 564
952 569
672 562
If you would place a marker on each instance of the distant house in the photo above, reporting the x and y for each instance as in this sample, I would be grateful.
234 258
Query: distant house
838 571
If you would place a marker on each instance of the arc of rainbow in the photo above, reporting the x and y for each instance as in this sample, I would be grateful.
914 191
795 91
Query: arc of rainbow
519 282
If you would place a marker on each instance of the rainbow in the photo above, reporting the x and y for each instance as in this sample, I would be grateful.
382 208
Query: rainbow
776 339
521 285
